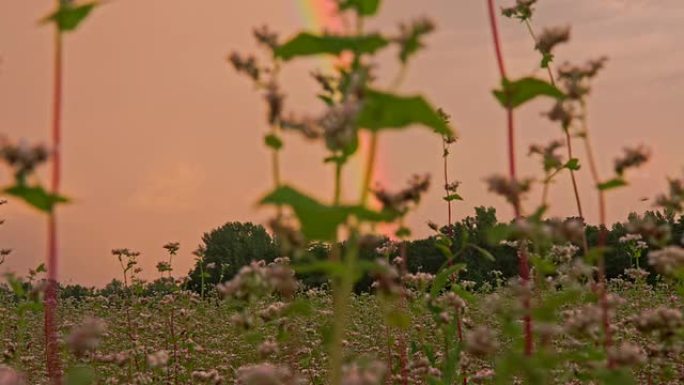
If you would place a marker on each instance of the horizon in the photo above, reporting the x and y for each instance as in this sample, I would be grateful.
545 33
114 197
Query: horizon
163 141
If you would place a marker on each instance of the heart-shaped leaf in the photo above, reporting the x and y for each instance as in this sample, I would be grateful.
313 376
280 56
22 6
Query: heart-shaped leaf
69 16
362 7
611 184
388 111
36 196
307 44
317 220
518 92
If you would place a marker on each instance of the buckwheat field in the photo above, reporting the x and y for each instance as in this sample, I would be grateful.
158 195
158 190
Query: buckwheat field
339 288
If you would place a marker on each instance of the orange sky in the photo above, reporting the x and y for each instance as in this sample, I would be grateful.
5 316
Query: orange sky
162 141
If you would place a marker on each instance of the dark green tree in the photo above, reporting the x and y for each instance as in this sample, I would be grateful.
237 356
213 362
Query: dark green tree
228 248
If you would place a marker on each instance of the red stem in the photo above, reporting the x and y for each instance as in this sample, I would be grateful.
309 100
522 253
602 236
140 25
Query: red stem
51 344
523 264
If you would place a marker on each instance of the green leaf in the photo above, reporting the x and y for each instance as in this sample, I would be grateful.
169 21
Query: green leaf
611 184
547 58
16 284
362 7
484 252
368 215
80 375
331 268
403 232
36 196
518 92
319 221
442 278
273 141
69 16
299 308
615 377
498 233
307 44
398 319
388 111
453 197
31 306
572 164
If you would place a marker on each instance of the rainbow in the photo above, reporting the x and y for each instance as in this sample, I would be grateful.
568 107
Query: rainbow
319 16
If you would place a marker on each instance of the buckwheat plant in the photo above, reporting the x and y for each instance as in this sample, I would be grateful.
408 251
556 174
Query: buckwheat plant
569 89
524 10
512 95
450 188
574 80
166 266
67 17
353 104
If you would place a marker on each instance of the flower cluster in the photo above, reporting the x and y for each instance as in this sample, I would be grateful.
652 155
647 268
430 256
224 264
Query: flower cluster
386 279
258 278
86 337
481 342
9 376
663 321
265 374
549 153
633 157
246 65
410 36
668 260
371 374
551 37
512 190
575 82
674 199
266 37
522 10
402 200
22 157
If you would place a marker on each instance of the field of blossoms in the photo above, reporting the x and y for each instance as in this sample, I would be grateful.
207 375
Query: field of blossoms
564 316
264 328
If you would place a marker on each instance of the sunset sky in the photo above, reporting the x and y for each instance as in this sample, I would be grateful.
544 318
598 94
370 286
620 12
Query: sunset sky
163 141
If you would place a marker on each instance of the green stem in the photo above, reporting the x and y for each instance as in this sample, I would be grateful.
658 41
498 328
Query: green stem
202 278
548 178
338 183
568 140
370 165
373 147
342 295
602 287
445 152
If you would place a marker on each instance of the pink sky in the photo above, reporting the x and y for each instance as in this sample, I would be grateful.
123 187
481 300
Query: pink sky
162 141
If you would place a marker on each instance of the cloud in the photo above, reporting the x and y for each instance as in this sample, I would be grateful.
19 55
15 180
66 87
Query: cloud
170 188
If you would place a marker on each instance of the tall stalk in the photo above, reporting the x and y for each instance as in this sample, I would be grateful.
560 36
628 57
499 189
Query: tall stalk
523 263
568 141
369 168
341 297
603 233
51 343
445 152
